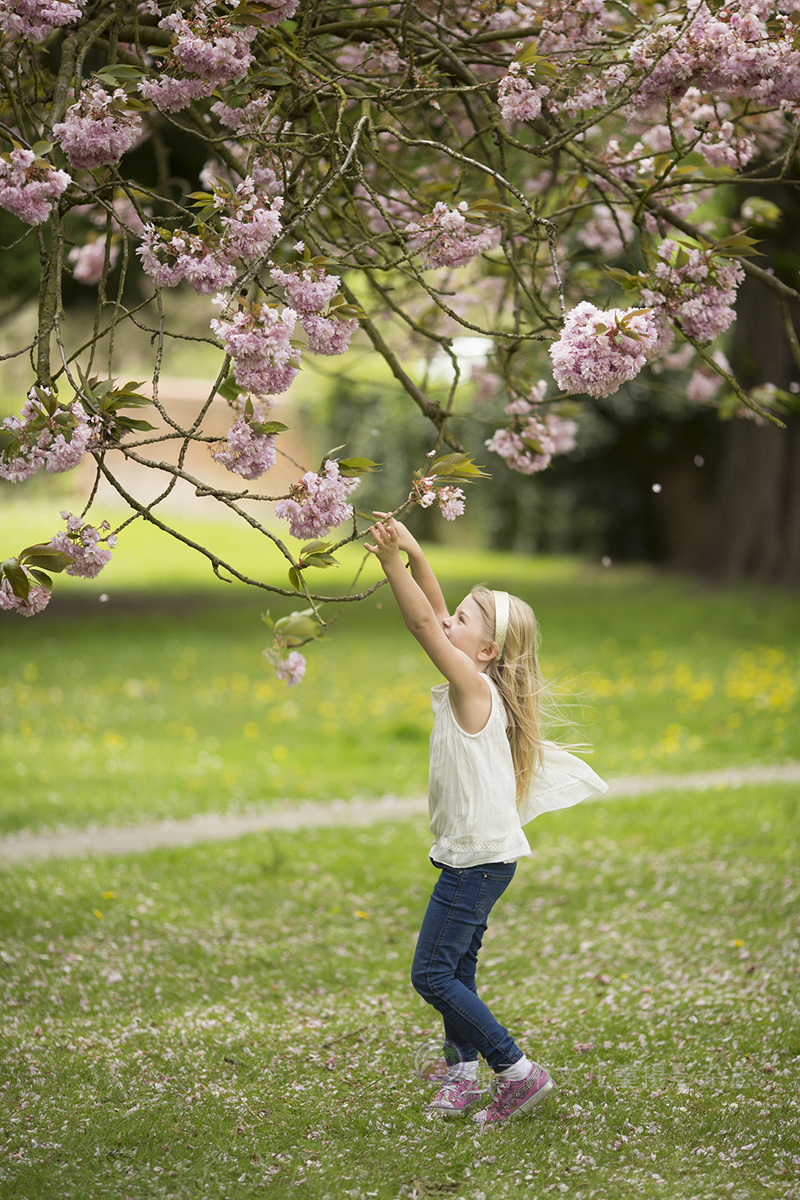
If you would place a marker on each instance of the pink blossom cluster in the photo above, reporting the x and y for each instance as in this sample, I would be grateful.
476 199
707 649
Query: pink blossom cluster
711 129
567 26
248 452
254 223
531 441
56 441
705 382
81 543
451 500
99 129
447 238
519 99
33 20
89 259
698 295
371 58
171 93
38 597
208 51
725 53
170 258
248 118
318 502
595 353
608 230
292 668
205 260
259 343
328 335
309 289
29 187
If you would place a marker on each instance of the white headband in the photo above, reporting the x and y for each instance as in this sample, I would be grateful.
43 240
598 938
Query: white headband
500 620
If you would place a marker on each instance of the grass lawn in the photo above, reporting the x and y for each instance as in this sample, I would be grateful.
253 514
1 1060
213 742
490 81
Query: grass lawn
159 703
235 1020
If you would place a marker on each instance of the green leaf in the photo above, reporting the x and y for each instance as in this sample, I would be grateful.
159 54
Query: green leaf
299 626
315 548
42 578
229 389
16 577
458 468
623 278
41 148
294 579
268 426
351 468
130 423
42 554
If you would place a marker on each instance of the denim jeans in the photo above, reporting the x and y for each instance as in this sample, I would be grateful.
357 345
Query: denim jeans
446 957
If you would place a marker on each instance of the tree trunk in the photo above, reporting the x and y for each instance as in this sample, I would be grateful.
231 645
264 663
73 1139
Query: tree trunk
754 529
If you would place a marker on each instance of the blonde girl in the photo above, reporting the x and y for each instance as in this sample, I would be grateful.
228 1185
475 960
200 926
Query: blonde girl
490 772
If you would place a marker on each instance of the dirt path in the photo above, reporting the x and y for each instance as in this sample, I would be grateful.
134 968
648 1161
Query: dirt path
210 827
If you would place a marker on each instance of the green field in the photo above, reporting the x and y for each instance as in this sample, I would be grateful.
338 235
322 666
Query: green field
236 1020
158 702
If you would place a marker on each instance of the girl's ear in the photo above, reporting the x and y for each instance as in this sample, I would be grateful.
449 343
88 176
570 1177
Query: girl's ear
488 652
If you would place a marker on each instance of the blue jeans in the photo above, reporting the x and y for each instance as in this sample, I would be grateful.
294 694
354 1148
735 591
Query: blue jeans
446 957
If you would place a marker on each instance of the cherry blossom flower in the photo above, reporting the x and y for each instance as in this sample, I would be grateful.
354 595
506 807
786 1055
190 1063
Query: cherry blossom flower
33 20
29 186
696 289
171 94
169 258
447 238
249 453
259 342
596 353
99 129
519 99
81 542
55 440
318 502
292 668
248 118
89 260
451 502
730 52
608 231
309 289
705 382
37 599
254 225
328 335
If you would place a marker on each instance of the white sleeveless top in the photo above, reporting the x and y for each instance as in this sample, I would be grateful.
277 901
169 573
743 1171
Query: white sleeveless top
472 788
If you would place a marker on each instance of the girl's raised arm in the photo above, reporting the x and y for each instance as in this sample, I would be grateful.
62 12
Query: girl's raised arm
469 695
420 567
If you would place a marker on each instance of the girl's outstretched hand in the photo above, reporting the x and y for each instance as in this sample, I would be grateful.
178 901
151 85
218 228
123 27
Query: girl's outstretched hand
385 537
405 540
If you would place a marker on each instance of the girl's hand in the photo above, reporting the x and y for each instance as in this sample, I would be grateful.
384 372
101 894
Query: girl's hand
405 540
384 534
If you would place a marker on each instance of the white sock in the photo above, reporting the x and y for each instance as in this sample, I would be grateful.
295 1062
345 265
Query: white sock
520 1069
463 1070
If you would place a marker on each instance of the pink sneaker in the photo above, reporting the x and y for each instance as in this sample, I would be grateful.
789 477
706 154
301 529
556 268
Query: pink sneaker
515 1099
453 1099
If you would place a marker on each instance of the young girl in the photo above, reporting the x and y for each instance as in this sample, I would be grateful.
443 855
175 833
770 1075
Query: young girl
490 772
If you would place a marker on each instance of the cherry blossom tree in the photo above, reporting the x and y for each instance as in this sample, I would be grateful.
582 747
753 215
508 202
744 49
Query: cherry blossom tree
555 177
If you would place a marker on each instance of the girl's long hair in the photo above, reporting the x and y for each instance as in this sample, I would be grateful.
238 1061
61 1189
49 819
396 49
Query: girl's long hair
519 682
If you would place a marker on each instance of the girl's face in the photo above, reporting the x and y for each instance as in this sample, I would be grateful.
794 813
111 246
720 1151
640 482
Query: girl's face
466 630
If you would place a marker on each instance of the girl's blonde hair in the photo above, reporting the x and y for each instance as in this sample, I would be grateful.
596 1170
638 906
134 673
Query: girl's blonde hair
516 674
